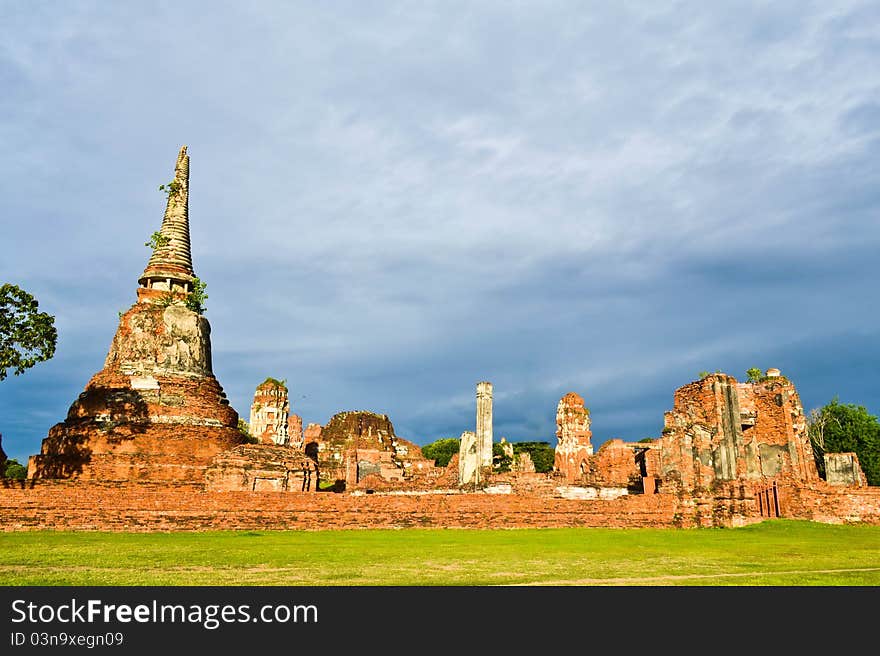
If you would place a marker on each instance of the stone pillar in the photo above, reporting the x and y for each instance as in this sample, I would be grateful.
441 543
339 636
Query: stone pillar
468 460
484 423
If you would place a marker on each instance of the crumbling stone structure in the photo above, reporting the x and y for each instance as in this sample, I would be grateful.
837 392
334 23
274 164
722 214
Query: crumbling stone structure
573 448
484 423
475 449
469 460
720 430
522 462
844 469
357 444
312 433
155 412
269 413
295 430
262 467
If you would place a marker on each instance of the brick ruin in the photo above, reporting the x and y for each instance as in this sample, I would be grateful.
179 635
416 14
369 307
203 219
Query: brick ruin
573 447
155 412
153 444
360 449
721 431
295 430
270 413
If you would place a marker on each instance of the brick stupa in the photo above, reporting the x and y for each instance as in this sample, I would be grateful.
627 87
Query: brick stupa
155 412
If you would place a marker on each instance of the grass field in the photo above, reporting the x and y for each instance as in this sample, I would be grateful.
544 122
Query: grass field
777 553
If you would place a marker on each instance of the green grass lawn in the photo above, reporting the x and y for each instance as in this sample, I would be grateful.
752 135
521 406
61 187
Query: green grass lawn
778 552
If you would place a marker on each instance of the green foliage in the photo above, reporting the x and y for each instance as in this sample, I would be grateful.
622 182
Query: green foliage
157 240
195 300
702 375
646 440
542 454
843 427
246 431
274 381
15 470
501 462
166 299
755 375
442 450
27 336
170 188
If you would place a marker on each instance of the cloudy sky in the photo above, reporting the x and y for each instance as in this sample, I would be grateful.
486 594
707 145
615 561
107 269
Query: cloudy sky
390 202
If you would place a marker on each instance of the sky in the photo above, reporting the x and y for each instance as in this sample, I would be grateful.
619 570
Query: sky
392 201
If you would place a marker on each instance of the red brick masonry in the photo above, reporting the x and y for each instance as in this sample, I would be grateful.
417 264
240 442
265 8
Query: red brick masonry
73 505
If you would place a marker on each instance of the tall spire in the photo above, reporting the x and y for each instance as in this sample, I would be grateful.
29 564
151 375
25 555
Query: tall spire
170 267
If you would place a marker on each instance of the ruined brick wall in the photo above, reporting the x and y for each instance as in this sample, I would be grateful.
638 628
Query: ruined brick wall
262 467
830 503
75 505
181 507
613 465
357 444
295 430
779 430
721 430
701 433
573 448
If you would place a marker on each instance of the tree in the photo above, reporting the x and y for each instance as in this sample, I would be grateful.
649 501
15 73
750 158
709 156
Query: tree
542 454
27 336
442 450
754 375
500 460
844 427
15 470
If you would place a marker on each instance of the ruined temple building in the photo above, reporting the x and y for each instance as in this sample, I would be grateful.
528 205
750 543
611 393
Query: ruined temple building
573 448
269 413
720 430
155 412
721 437
360 449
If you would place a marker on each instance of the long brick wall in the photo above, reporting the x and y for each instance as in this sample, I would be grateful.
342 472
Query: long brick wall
73 506
91 506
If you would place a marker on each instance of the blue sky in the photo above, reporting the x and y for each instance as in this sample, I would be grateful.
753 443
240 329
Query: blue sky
392 201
